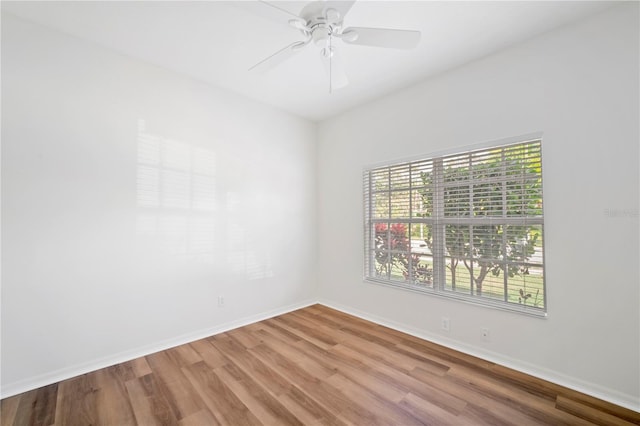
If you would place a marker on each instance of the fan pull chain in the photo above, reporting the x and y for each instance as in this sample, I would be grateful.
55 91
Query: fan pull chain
330 63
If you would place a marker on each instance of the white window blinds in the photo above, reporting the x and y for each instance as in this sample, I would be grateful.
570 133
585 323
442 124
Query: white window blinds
467 225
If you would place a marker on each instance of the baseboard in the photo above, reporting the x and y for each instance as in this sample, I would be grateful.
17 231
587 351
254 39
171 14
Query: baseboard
587 388
609 395
16 388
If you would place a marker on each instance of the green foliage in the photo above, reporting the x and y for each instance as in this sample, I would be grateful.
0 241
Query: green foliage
488 248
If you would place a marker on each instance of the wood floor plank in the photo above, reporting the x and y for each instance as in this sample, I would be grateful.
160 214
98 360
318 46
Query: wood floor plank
589 413
321 392
209 354
183 355
112 399
226 407
600 405
387 411
244 337
281 330
368 334
274 331
425 361
308 410
512 396
407 383
487 415
316 338
309 328
23 413
313 366
354 370
329 364
328 358
140 367
357 326
173 384
201 418
8 410
382 354
502 412
429 413
339 317
286 368
317 369
333 334
121 372
448 386
265 406
448 356
150 406
330 321
37 407
253 366
77 402
157 399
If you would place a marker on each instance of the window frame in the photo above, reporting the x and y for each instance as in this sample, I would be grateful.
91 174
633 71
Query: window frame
439 220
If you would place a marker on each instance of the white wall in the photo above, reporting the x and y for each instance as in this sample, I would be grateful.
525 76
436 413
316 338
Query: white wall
578 85
131 199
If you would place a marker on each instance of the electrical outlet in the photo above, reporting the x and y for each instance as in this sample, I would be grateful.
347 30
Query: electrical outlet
445 324
220 300
484 334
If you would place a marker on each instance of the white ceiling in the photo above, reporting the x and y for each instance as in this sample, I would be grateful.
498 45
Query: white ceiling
216 41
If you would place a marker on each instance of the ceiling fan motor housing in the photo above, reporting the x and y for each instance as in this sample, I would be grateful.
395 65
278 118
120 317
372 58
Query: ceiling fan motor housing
320 33
321 22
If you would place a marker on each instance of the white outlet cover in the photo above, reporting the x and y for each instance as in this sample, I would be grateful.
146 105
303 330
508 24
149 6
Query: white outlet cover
445 324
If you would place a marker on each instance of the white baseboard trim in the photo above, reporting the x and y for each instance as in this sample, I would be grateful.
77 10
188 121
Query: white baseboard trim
31 383
592 389
597 391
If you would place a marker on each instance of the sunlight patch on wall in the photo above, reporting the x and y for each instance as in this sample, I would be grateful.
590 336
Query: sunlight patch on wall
247 250
176 196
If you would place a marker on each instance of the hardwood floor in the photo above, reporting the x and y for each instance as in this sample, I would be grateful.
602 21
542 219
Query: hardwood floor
314 366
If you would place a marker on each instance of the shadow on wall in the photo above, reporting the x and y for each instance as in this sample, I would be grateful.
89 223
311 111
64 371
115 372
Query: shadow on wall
180 214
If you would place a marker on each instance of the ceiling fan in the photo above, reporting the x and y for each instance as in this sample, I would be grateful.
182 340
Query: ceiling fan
321 21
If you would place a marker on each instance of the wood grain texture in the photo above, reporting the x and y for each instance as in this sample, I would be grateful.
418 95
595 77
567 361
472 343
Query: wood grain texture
314 366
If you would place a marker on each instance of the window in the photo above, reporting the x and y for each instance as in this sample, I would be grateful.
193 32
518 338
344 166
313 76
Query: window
467 225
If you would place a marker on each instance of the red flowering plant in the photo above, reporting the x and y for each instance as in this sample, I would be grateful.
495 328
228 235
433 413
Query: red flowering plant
393 254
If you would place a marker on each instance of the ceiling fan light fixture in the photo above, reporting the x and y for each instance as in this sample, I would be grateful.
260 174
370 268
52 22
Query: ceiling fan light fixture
320 34
349 36
299 24
327 52
332 16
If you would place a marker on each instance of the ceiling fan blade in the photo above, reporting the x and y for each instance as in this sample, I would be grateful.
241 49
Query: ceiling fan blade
342 7
281 9
381 37
334 68
334 10
277 58
276 13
